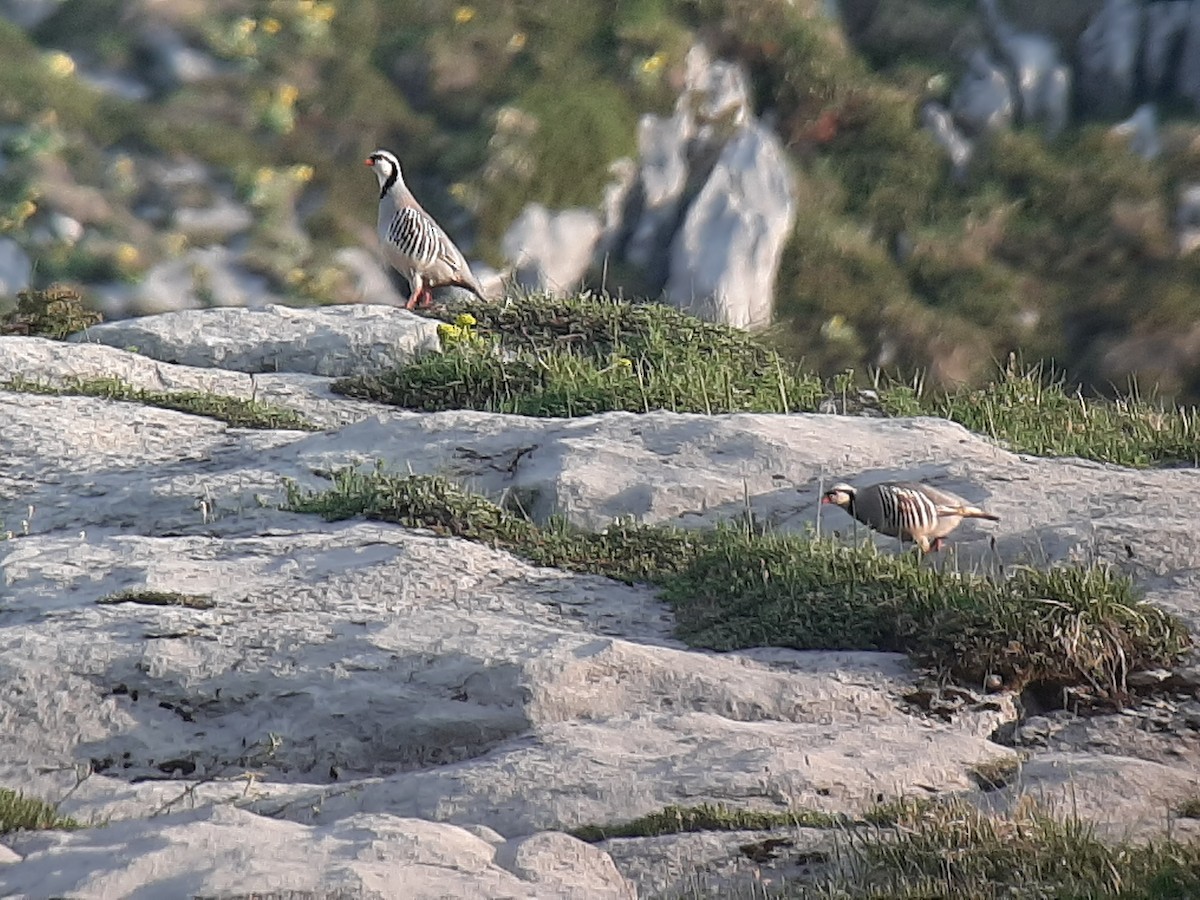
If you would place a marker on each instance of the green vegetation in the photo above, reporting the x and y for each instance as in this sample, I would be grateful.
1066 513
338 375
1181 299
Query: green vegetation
21 813
158 598
53 313
677 820
923 849
235 411
543 356
955 850
734 587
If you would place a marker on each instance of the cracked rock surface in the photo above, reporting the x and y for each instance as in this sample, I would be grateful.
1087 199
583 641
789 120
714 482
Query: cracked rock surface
358 707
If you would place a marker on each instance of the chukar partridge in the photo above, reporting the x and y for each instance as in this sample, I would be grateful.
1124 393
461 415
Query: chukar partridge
907 510
413 243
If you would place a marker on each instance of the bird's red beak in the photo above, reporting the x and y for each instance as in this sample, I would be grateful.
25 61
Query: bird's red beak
369 162
826 499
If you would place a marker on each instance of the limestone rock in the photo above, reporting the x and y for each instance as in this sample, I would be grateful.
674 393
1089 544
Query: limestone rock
15 268
371 281
725 256
331 340
1187 219
28 14
1187 78
1042 82
1108 58
938 121
369 856
983 100
201 278
551 251
662 151
218 222
1165 25
170 62
1141 130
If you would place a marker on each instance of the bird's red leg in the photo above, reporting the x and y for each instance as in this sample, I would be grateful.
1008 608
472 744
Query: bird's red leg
413 298
936 545
428 299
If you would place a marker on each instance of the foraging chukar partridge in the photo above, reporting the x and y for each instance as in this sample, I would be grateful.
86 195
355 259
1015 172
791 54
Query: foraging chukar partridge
907 510
413 243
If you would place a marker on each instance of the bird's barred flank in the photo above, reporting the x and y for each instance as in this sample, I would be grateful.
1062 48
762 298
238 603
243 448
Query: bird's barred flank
906 510
416 236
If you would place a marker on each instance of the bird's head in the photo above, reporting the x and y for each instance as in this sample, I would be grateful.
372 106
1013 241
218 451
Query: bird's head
387 169
841 494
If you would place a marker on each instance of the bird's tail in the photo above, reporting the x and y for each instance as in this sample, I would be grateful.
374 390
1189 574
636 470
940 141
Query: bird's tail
974 512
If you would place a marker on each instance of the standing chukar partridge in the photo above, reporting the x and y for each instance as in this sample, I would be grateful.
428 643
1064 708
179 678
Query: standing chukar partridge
413 243
906 510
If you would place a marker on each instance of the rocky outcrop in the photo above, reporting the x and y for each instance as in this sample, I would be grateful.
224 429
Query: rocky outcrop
353 706
552 251
1108 58
704 219
725 255
15 268
1041 81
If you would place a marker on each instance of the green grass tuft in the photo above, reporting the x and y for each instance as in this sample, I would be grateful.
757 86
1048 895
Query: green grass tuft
952 849
234 411
706 817
1031 411
21 813
54 313
732 587
158 598
542 356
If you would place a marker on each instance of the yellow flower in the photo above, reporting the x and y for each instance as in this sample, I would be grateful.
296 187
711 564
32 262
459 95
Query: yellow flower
265 175
288 93
271 25
653 64
128 256
449 334
294 277
244 26
516 42
464 14
464 320
624 363
324 12
303 173
60 64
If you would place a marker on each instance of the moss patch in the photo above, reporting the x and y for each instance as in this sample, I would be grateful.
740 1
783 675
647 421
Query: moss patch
706 817
734 587
54 313
235 411
158 598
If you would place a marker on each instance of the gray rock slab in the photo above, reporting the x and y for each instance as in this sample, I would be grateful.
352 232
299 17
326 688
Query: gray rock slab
46 362
361 857
339 680
725 255
330 340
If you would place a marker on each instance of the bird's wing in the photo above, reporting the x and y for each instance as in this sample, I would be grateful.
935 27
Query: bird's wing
415 235
946 501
